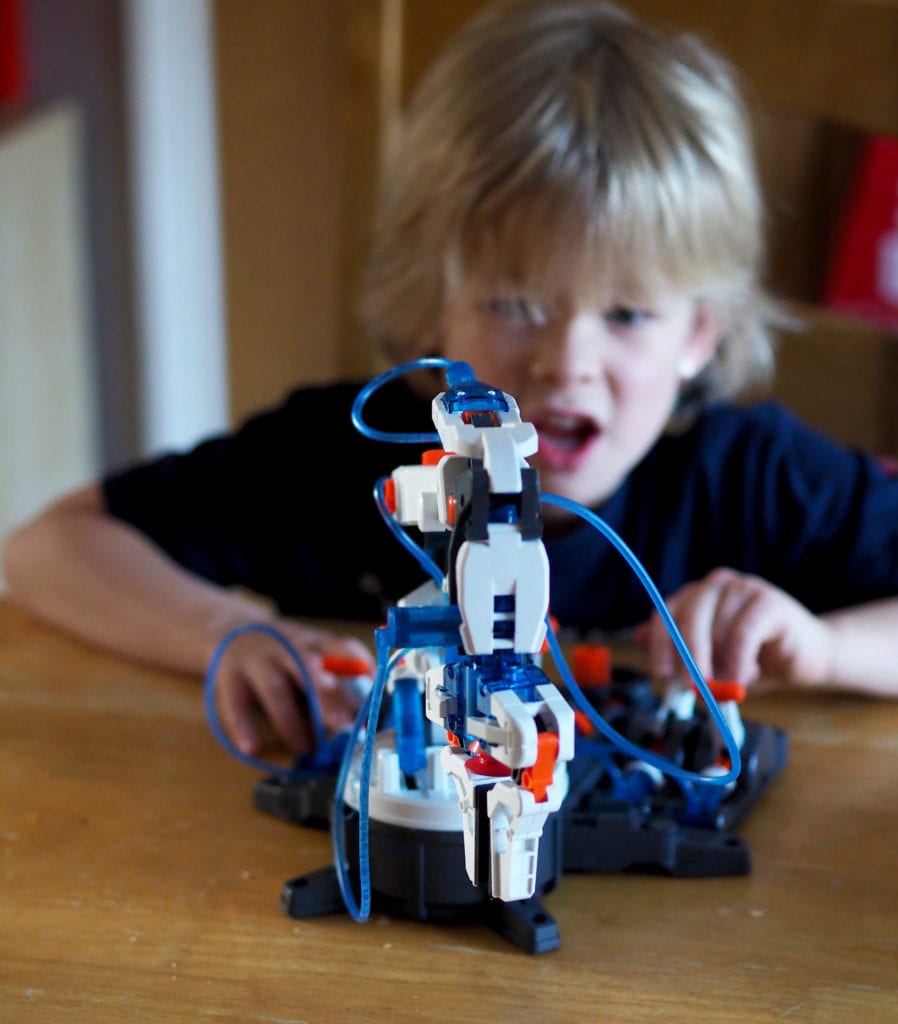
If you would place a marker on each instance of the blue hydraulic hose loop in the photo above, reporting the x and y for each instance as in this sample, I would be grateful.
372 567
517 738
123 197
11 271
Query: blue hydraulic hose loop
456 371
311 696
424 560
435 362
694 671
368 716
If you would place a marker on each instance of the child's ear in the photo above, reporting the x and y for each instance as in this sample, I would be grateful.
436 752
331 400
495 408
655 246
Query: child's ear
702 343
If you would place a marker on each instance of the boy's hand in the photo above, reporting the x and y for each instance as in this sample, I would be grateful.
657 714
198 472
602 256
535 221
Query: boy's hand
741 627
257 674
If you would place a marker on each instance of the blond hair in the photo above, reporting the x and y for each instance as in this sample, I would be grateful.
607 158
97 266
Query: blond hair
546 129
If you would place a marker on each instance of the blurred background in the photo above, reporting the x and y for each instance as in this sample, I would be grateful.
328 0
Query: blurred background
186 195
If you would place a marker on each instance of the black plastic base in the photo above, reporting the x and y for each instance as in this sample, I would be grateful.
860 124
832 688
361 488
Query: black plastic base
601 833
603 826
307 802
421 875
606 834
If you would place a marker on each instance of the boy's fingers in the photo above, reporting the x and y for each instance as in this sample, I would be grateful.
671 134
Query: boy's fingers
353 648
693 610
236 709
660 648
279 697
749 630
263 676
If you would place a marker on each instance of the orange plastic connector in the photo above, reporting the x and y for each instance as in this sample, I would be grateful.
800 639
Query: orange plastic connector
591 665
451 509
432 456
390 495
538 777
583 724
345 666
726 689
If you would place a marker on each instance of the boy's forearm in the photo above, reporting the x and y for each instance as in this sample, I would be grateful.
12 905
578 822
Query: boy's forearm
865 648
83 571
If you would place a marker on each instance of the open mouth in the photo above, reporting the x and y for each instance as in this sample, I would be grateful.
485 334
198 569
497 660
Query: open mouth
565 438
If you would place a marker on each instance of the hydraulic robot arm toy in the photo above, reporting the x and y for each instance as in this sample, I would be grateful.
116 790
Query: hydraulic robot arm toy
510 731
449 788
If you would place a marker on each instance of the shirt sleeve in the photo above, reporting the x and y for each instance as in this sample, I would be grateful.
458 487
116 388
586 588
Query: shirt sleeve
283 506
817 519
206 507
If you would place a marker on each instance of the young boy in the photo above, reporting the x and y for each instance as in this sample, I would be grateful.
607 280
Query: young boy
573 209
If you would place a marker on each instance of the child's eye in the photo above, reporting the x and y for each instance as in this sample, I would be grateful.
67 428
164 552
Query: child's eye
626 316
518 311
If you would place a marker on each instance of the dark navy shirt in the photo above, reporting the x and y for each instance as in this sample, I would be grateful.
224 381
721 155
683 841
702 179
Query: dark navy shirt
284 506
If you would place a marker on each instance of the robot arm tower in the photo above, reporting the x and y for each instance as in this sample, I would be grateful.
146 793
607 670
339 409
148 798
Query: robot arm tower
510 730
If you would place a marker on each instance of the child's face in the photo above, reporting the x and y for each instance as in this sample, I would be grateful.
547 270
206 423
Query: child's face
599 384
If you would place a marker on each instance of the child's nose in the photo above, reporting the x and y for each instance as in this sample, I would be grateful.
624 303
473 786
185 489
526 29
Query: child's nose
571 352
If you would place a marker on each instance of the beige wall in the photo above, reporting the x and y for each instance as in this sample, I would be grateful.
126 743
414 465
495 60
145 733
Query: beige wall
48 408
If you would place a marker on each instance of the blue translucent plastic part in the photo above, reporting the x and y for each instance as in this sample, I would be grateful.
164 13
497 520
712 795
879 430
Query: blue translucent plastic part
408 717
471 396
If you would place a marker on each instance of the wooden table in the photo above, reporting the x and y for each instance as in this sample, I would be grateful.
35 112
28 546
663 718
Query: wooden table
139 884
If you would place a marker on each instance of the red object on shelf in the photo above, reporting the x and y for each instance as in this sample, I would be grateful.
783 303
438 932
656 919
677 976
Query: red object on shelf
12 55
863 275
